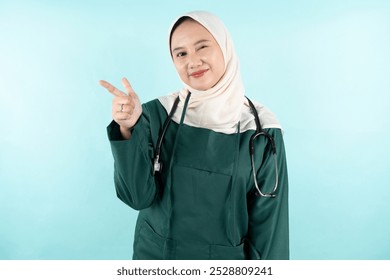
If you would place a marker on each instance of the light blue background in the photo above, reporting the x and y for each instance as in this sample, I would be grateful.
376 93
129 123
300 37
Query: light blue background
322 66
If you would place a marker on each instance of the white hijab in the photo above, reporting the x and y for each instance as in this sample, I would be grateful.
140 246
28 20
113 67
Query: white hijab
223 106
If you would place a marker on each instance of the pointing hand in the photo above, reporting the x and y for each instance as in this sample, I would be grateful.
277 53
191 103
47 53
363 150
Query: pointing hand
126 107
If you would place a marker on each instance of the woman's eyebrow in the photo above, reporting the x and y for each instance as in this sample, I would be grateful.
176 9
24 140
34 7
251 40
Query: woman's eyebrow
196 43
177 49
201 41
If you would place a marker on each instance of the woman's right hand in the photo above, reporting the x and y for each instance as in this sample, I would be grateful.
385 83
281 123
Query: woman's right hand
126 107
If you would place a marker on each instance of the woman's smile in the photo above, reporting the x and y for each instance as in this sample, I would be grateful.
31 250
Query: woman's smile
199 73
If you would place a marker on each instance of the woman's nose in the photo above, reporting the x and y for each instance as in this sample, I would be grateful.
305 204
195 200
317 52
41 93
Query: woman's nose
194 60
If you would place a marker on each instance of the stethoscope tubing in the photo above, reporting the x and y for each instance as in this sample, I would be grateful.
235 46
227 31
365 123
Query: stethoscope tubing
157 165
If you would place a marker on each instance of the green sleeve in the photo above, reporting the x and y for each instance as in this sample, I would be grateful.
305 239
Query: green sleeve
133 175
268 232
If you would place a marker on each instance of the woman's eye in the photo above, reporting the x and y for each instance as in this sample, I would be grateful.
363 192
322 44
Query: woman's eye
180 54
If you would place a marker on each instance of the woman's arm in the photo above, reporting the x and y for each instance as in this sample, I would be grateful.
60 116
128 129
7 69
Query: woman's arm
268 232
133 176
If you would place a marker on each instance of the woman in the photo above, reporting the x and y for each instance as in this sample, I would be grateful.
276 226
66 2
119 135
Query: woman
202 201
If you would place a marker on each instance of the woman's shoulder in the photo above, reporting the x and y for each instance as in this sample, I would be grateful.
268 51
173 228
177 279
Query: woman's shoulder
267 118
153 105
153 109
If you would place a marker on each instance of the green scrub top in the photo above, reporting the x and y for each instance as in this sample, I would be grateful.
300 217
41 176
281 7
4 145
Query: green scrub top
206 207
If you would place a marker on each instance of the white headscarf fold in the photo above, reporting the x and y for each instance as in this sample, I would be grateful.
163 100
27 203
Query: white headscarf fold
221 107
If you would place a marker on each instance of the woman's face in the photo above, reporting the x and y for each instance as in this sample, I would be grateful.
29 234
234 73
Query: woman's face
197 56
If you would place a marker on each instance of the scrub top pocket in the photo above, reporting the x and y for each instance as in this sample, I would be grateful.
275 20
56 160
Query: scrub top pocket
149 245
199 204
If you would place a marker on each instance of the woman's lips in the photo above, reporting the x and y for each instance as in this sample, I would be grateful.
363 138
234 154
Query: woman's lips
199 73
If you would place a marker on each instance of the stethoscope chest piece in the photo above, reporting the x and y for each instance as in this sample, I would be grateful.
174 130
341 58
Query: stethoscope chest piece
157 165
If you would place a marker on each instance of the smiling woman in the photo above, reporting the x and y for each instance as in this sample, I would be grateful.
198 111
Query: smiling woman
183 160
197 57
322 66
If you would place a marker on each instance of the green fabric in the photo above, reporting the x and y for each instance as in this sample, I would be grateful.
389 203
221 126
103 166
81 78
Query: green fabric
206 208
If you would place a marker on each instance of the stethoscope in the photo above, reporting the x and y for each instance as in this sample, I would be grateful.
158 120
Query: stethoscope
157 165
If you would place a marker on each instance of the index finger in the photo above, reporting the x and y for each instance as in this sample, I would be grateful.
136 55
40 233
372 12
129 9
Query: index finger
127 86
113 90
